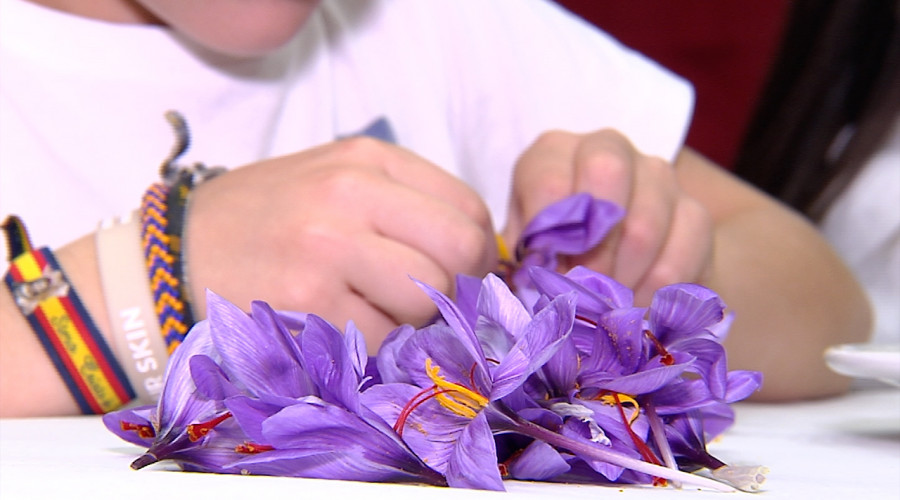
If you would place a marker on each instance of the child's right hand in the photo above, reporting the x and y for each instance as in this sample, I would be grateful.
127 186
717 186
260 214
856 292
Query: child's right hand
337 230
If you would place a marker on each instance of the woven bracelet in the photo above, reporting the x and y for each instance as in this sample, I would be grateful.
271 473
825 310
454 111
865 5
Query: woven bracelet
163 217
63 326
165 286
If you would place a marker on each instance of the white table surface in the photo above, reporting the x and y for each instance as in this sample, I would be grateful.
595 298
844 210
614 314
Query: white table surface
842 448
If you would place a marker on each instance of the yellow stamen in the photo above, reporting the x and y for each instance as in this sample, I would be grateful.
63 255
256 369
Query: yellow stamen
503 250
454 397
610 399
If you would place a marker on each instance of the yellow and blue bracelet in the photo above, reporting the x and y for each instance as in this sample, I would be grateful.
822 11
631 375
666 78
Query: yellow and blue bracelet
63 326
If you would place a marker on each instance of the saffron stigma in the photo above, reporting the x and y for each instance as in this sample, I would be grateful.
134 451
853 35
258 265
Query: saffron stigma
618 399
252 448
666 357
457 398
639 443
144 431
196 432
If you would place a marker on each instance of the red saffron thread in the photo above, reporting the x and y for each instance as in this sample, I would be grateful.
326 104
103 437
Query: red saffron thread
144 431
639 443
667 358
197 431
252 448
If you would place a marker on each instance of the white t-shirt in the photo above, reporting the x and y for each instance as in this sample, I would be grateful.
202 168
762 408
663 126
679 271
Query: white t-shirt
863 225
467 84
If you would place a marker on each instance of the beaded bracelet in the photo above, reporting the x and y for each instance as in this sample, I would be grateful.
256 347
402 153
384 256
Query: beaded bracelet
73 342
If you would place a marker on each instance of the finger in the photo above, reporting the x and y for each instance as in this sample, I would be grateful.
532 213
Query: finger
361 200
605 163
605 167
383 274
452 239
648 224
371 320
325 284
414 171
543 175
688 252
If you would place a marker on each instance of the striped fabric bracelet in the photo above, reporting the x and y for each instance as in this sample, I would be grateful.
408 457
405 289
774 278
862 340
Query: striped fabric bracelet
165 285
163 216
62 324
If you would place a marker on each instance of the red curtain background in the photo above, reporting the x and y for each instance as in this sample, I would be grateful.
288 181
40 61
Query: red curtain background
723 47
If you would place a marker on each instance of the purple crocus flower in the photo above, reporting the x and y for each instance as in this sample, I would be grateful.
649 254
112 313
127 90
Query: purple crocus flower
664 361
184 427
442 390
571 226
454 383
573 381
236 387
329 433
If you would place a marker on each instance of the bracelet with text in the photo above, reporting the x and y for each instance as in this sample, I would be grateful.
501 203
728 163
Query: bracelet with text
134 333
62 324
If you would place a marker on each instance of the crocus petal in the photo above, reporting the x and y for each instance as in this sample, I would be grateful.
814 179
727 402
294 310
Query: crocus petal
538 462
497 303
597 293
473 460
681 396
684 309
388 358
468 288
429 430
495 340
741 384
212 383
250 413
179 404
355 343
259 359
328 363
447 350
650 378
715 419
537 343
624 327
455 318
559 371
325 441
709 362
571 226
124 423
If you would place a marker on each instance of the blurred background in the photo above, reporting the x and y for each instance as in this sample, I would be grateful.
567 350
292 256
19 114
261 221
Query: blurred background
723 48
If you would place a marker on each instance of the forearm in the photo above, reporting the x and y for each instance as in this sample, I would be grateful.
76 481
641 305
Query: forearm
791 294
29 384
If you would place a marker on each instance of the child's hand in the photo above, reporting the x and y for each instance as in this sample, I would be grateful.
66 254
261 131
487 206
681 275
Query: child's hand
338 231
666 236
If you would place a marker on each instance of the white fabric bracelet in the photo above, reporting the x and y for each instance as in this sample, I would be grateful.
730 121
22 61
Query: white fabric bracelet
135 333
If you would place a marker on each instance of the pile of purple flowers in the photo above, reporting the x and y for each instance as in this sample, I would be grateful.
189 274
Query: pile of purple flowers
563 379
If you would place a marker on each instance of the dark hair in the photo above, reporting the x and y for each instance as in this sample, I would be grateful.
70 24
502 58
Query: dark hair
832 95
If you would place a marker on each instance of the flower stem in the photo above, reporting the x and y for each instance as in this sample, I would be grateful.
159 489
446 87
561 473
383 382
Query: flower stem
533 430
659 437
